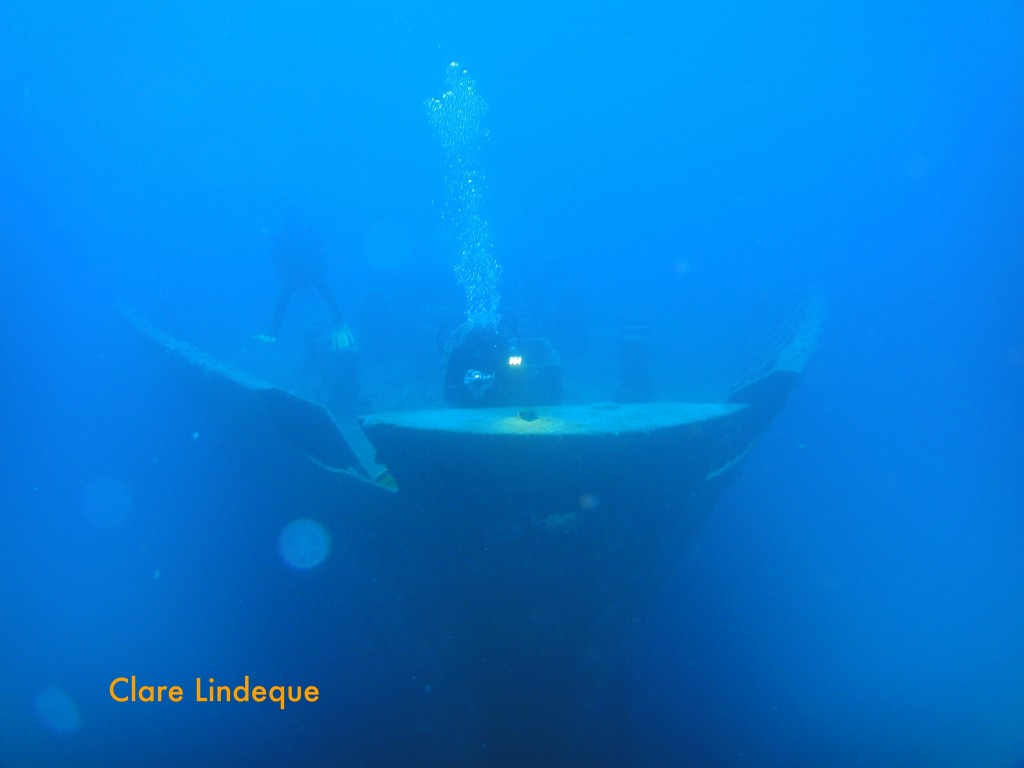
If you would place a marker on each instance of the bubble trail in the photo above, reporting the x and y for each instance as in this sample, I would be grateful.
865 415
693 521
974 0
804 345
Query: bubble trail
457 120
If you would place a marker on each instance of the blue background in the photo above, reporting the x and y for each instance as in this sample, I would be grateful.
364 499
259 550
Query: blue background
857 598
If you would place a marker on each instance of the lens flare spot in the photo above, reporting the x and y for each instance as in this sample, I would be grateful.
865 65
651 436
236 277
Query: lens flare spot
387 245
57 711
106 502
304 543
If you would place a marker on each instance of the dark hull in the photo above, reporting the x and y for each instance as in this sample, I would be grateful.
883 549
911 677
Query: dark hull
518 552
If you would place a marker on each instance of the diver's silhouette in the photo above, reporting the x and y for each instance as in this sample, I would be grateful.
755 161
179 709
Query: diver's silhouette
300 261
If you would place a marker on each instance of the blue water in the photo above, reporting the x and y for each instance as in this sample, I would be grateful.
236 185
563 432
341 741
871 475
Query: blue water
856 596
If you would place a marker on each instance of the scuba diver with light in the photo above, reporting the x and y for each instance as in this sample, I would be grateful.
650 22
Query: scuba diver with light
488 365
485 366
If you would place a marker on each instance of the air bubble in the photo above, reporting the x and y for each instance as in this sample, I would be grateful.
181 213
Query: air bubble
456 118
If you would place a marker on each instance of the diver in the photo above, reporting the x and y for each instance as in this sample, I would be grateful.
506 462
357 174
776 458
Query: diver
487 367
301 262
480 367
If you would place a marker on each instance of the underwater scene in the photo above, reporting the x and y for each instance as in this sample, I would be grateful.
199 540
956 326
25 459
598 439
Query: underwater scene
397 383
